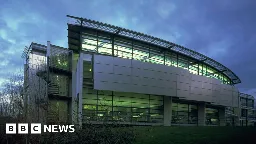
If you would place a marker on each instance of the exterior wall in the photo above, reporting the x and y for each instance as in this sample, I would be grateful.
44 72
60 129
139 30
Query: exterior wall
117 74
123 75
40 93
74 92
36 88
79 87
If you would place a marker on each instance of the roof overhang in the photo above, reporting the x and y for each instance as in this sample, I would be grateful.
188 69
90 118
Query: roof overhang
87 23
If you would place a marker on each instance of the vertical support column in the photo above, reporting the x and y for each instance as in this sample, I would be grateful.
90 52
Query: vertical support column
73 110
201 114
222 117
48 54
237 112
80 85
167 110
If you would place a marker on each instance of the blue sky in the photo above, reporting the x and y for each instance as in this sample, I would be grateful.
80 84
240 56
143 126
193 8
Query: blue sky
224 30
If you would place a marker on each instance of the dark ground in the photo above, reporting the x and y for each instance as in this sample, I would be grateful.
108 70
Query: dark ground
196 135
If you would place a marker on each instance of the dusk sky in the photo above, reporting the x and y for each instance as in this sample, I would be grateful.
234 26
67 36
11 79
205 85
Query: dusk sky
224 30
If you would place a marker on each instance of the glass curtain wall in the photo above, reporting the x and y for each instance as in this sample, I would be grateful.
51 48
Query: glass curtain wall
250 113
184 113
212 116
250 103
230 116
103 43
243 101
123 107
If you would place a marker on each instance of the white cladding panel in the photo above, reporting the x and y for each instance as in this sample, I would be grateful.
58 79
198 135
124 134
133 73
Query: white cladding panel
117 74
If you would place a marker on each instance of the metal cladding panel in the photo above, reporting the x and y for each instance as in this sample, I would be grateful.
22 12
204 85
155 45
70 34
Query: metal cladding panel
107 60
235 97
117 74
122 70
121 62
104 77
132 76
184 79
215 81
103 68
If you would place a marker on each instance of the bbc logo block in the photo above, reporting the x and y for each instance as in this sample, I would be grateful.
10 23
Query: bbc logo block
36 128
11 128
23 128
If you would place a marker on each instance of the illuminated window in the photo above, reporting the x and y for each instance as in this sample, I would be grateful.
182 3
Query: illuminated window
129 49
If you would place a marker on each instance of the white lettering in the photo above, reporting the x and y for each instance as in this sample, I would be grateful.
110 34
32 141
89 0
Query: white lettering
54 128
47 128
71 128
63 128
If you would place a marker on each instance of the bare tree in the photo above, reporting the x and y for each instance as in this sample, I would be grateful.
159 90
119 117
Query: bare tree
11 106
11 97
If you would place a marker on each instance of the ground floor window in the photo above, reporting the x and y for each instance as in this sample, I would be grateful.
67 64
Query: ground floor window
230 121
121 106
243 123
212 116
184 113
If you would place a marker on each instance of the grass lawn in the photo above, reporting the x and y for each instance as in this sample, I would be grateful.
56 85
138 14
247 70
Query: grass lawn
195 135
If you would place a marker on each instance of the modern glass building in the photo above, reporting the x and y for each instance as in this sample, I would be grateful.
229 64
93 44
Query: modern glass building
248 111
111 74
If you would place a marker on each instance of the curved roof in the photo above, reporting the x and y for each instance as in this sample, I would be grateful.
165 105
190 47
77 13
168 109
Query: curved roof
156 41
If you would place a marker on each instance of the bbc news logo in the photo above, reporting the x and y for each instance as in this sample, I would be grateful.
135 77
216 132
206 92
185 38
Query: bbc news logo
36 128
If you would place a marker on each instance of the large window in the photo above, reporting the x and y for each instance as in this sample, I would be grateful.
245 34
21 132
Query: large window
251 114
243 113
123 107
250 103
243 101
193 114
184 113
212 116
131 49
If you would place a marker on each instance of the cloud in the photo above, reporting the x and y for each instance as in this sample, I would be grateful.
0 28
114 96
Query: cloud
165 9
222 29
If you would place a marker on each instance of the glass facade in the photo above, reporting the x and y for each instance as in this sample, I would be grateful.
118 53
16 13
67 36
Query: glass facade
251 114
250 103
243 123
123 107
105 44
99 105
243 101
243 112
184 113
212 116
248 115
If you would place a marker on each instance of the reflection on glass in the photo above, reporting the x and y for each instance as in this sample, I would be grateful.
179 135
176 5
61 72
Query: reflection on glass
212 116
124 107
184 113
124 48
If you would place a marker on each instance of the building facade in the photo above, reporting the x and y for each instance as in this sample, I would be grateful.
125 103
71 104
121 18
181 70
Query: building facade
110 74
248 111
